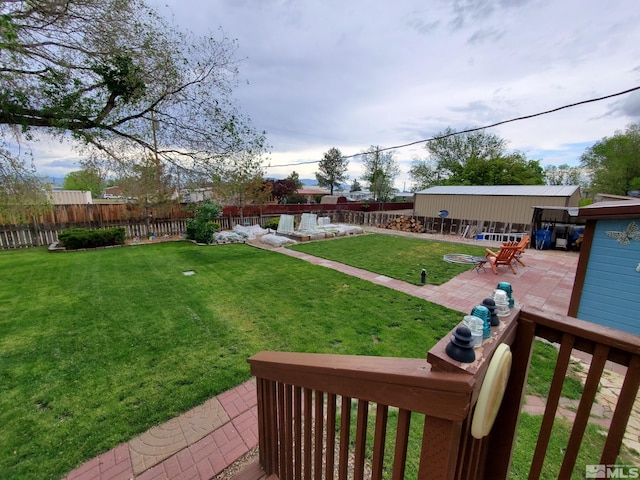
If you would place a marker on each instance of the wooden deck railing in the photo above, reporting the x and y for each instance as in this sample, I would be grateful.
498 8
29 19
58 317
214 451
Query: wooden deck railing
305 404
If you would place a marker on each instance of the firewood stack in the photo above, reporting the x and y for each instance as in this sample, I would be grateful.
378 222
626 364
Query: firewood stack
405 224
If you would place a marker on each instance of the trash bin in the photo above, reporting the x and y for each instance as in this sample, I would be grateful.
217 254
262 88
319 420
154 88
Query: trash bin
543 239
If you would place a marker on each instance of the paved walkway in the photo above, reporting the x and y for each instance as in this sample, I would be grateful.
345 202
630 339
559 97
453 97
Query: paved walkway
201 443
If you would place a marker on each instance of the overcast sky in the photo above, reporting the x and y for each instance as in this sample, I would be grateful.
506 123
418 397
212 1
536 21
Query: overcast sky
349 74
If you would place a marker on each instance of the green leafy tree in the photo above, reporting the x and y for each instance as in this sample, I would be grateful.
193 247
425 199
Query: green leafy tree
295 178
423 174
239 182
614 162
86 180
564 175
149 184
380 171
355 186
477 158
23 195
332 169
100 73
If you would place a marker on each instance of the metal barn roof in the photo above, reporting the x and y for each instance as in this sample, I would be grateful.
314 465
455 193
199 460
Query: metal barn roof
505 190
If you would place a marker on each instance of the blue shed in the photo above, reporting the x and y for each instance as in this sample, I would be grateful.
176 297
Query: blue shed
606 290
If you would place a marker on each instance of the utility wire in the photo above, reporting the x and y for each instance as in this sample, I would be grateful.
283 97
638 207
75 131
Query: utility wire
470 130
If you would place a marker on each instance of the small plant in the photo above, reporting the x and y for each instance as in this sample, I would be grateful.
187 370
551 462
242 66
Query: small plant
272 223
75 238
202 227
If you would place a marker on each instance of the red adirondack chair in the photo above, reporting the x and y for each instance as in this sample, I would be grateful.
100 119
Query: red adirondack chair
504 256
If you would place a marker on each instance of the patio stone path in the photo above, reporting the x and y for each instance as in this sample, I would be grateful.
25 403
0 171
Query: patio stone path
201 443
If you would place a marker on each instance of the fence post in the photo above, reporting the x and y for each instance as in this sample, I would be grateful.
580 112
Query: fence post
36 232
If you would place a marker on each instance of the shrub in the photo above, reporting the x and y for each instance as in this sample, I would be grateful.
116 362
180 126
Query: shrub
75 238
203 225
295 199
272 223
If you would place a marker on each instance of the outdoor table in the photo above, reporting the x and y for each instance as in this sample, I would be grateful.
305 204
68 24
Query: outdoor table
477 262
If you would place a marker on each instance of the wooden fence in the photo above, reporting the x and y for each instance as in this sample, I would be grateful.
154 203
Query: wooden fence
173 220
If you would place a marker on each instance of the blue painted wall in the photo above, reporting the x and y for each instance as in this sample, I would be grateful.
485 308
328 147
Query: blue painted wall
611 291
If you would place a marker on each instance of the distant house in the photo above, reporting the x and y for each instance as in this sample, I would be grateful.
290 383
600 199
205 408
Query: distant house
113 192
333 199
310 193
403 196
195 195
358 196
605 290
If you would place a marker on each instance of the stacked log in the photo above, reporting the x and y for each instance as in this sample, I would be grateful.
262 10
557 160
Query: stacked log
405 224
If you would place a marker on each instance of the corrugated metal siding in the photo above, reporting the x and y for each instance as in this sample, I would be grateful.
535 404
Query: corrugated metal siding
70 197
611 291
509 190
494 208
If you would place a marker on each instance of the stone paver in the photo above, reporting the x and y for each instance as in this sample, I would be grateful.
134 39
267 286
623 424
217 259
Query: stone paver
198 444
204 441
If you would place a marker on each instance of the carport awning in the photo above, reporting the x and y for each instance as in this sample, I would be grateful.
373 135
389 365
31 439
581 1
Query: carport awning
554 214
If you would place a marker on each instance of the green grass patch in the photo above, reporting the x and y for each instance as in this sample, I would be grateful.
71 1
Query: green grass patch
395 256
543 363
527 436
99 346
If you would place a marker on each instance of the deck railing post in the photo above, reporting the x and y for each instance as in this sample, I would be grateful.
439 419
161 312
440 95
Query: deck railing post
439 436
502 437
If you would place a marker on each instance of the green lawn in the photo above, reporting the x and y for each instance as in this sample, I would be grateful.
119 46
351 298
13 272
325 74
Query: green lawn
98 346
395 256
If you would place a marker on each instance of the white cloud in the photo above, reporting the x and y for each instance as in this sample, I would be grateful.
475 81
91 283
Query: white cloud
360 73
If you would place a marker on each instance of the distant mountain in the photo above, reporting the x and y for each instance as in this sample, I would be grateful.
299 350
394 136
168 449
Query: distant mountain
54 181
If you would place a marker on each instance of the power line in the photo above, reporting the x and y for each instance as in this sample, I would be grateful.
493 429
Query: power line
470 130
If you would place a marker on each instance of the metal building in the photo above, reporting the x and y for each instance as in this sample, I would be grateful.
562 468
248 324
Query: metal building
507 204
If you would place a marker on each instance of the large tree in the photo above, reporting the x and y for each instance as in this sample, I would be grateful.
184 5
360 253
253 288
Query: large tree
474 158
380 171
118 81
85 179
614 162
564 175
281 189
239 182
423 174
149 184
332 169
295 178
